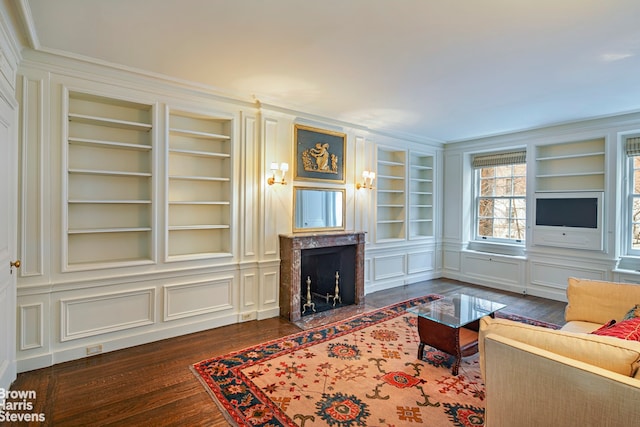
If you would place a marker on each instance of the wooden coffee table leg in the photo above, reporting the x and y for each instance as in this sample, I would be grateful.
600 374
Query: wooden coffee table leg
420 351
458 352
456 365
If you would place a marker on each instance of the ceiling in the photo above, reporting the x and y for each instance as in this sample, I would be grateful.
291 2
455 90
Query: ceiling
432 69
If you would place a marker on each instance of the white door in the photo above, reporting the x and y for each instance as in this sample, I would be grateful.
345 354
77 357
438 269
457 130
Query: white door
8 245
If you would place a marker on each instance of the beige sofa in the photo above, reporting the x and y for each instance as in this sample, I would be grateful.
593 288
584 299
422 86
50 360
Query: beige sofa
536 376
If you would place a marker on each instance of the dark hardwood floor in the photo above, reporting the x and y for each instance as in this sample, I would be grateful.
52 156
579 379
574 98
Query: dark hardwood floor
152 385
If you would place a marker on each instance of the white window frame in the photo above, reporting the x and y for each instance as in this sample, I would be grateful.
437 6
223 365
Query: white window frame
627 229
518 158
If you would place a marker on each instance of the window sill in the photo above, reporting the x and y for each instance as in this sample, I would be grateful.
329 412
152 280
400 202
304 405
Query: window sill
497 248
628 264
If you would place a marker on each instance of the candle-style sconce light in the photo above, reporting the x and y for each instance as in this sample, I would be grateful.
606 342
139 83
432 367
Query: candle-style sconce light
282 170
368 178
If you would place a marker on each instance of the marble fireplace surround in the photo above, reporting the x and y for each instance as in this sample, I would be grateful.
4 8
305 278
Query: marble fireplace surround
291 247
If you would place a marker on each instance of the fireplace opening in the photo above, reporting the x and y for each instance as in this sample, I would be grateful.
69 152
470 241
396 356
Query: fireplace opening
326 253
319 271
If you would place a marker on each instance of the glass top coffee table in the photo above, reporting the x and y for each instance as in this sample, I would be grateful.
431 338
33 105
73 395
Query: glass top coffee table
451 324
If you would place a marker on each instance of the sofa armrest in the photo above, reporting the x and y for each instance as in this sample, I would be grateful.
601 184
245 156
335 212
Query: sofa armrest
611 353
528 386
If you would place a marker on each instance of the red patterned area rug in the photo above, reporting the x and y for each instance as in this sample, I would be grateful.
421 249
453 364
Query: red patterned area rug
361 371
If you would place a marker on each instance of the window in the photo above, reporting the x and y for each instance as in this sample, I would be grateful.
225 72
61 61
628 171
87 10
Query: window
500 197
632 148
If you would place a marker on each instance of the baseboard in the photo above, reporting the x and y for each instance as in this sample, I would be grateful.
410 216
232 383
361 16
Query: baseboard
35 362
382 286
492 284
268 314
552 294
79 351
7 375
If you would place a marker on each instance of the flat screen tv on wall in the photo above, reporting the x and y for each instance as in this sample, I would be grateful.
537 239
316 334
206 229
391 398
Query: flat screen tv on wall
569 220
574 211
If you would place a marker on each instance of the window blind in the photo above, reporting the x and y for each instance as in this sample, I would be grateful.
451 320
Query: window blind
500 159
632 146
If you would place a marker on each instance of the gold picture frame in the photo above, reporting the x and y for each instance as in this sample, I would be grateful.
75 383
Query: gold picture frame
318 209
320 154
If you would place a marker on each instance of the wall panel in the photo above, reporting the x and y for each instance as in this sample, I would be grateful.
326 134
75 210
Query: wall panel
451 260
389 266
549 280
196 298
249 287
32 171
269 290
493 270
31 324
95 315
420 262
250 194
273 207
453 205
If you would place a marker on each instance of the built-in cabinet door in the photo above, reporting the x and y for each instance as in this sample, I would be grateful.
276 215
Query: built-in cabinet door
8 248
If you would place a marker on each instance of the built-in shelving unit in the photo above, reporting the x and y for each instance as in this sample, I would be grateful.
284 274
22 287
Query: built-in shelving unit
390 191
573 166
420 196
199 186
108 181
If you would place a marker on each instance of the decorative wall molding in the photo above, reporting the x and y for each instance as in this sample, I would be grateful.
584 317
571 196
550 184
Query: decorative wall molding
248 287
101 314
196 298
31 325
269 288
250 196
420 262
555 275
31 93
502 272
389 266
271 208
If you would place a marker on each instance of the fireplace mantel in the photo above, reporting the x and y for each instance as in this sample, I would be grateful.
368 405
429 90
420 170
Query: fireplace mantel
291 247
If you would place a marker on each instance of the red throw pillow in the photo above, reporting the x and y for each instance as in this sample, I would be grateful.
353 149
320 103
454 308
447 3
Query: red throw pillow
626 329
607 325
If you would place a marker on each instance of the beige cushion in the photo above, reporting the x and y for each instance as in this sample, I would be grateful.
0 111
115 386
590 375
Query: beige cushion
614 354
580 326
599 301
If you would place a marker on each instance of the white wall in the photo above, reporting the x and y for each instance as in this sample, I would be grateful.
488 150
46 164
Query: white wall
64 314
538 270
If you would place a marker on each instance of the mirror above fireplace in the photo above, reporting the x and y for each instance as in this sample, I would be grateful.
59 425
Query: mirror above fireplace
317 209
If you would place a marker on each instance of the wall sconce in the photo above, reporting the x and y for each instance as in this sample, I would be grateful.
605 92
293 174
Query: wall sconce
284 167
368 177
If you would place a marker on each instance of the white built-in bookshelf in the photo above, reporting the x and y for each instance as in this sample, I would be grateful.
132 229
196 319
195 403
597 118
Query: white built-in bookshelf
571 166
199 185
390 195
111 184
420 196
109 181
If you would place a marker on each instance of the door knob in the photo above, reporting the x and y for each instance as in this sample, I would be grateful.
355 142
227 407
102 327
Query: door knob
13 264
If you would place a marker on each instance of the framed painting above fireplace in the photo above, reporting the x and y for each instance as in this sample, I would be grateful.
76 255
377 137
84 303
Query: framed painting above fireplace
320 154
